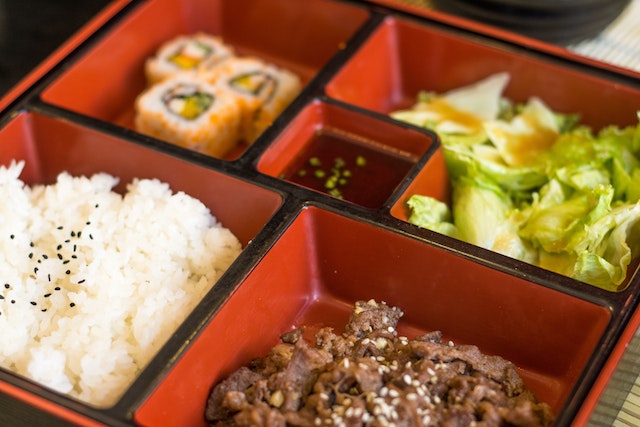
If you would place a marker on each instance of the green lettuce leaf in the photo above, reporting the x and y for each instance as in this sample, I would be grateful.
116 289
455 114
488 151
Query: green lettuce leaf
432 214
458 115
485 216
602 250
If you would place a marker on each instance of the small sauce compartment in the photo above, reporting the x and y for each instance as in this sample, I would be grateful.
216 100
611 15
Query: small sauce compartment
332 261
106 81
345 153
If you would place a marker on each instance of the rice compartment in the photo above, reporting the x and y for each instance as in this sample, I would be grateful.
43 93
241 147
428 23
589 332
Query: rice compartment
95 282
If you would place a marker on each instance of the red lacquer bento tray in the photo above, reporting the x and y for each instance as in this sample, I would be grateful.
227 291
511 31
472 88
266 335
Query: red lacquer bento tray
308 256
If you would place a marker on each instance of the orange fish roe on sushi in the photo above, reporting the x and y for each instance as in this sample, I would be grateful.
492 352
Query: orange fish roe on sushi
199 51
189 112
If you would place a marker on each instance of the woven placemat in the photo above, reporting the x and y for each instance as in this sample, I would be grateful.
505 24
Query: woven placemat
619 404
619 43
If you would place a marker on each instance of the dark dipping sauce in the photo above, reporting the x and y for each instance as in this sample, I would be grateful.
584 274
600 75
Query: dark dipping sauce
349 167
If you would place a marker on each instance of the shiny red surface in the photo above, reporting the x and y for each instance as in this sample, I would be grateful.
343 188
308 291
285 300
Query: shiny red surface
403 58
295 142
325 262
71 417
300 36
432 180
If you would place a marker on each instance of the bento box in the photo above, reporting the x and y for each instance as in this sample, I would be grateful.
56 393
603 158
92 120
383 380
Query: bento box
236 207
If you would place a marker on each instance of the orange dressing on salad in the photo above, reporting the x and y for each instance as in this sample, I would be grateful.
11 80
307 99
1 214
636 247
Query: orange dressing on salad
524 148
449 113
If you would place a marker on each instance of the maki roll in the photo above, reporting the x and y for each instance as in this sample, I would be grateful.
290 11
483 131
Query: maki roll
203 97
190 112
199 51
262 89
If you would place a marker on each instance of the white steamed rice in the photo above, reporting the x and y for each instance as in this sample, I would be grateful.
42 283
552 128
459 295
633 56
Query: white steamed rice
95 282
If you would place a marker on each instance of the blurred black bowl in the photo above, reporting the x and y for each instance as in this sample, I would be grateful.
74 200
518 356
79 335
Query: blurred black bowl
554 21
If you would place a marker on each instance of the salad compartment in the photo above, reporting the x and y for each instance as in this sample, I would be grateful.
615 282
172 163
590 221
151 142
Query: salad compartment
347 153
403 62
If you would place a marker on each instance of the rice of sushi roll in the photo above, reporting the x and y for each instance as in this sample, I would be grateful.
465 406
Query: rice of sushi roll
263 89
189 112
199 51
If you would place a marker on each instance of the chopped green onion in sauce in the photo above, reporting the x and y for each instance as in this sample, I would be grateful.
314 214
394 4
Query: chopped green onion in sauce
349 168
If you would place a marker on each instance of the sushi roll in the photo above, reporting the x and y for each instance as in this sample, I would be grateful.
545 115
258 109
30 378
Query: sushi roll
189 112
263 90
199 51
